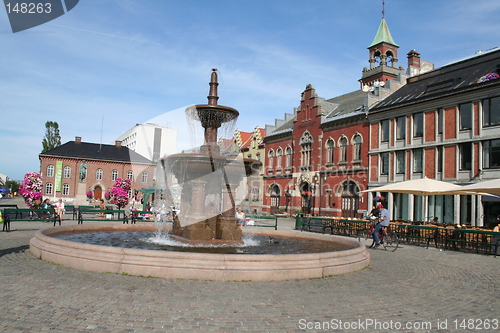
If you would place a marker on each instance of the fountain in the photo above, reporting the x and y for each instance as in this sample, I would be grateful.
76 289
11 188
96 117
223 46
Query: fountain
210 184
209 181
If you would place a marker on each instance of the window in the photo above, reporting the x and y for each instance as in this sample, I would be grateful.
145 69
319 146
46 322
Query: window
114 174
48 188
343 149
440 115
50 171
384 167
465 111
418 160
357 147
418 125
271 159
279 155
65 190
306 144
289 157
130 175
400 128
491 154
98 174
144 177
440 157
465 156
491 111
329 148
401 161
67 172
384 128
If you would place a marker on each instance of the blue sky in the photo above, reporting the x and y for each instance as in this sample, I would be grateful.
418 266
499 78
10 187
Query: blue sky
117 63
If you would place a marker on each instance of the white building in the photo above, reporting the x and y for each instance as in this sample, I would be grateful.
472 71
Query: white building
150 140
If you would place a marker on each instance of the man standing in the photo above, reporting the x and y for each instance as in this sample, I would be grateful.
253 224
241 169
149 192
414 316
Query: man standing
385 218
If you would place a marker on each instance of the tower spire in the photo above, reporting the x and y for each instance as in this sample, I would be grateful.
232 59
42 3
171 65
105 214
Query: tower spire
383 9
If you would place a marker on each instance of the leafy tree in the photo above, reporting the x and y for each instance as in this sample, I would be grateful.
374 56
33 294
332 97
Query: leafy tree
52 138
12 184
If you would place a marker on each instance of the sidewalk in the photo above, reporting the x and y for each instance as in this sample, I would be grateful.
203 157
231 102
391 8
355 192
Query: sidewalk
413 286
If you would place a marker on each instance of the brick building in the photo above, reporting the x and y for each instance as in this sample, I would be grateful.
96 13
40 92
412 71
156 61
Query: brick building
60 169
445 125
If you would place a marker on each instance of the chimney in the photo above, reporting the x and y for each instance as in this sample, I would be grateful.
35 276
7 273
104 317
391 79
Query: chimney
118 143
414 59
78 139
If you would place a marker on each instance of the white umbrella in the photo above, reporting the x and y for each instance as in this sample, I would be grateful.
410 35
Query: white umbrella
423 187
488 187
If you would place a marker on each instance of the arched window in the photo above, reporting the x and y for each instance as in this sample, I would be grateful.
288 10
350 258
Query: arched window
144 177
357 147
329 148
289 157
306 144
98 174
271 159
279 156
65 190
67 172
50 171
48 188
114 174
343 149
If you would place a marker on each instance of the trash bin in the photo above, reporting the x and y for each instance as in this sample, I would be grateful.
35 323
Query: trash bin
298 221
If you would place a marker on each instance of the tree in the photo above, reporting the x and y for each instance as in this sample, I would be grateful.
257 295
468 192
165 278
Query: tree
52 138
13 185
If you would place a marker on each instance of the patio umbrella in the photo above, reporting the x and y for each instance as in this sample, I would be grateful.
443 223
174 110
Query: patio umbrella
423 187
487 187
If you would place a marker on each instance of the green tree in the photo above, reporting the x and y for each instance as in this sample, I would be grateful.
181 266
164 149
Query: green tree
52 138
13 185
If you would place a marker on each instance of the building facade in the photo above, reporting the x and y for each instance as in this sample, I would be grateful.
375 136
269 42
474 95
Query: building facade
150 140
61 169
443 124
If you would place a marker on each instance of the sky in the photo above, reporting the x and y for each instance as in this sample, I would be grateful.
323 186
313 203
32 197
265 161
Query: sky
108 65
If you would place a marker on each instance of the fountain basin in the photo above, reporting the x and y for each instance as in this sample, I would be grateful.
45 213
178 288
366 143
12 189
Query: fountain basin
199 266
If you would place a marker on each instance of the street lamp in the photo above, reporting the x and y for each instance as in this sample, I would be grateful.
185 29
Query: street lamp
315 180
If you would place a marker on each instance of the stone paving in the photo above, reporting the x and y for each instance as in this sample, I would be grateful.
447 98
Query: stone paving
411 290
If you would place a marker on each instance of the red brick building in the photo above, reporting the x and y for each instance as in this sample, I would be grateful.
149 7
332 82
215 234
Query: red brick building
60 169
443 124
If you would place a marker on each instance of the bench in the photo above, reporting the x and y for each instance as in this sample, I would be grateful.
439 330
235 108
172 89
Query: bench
101 215
349 228
483 240
418 233
258 221
135 214
28 214
316 224
2 206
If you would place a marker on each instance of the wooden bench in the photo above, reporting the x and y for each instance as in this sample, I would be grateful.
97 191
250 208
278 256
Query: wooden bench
2 206
28 214
135 214
316 224
258 221
418 233
101 215
345 227
477 240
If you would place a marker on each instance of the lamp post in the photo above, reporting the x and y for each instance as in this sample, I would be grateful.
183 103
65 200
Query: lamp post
315 180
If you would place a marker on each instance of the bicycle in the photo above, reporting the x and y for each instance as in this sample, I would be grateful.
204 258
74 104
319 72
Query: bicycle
389 240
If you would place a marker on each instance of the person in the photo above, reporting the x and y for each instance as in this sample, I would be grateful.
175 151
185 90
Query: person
60 209
100 205
46 204
240 217
385 218
374 213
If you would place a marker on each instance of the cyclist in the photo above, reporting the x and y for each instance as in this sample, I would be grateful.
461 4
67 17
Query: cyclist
385 217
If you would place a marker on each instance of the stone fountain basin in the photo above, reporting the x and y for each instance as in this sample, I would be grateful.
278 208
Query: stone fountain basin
199 266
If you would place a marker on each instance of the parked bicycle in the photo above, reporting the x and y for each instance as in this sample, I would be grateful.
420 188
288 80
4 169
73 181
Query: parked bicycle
388 239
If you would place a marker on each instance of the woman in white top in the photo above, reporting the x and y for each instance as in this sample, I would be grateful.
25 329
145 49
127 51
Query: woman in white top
60 209
240 217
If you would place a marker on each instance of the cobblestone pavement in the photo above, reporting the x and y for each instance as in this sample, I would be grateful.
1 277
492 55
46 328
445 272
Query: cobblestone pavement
413 286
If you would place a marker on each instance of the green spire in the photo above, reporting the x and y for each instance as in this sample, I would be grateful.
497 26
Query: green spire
383 35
